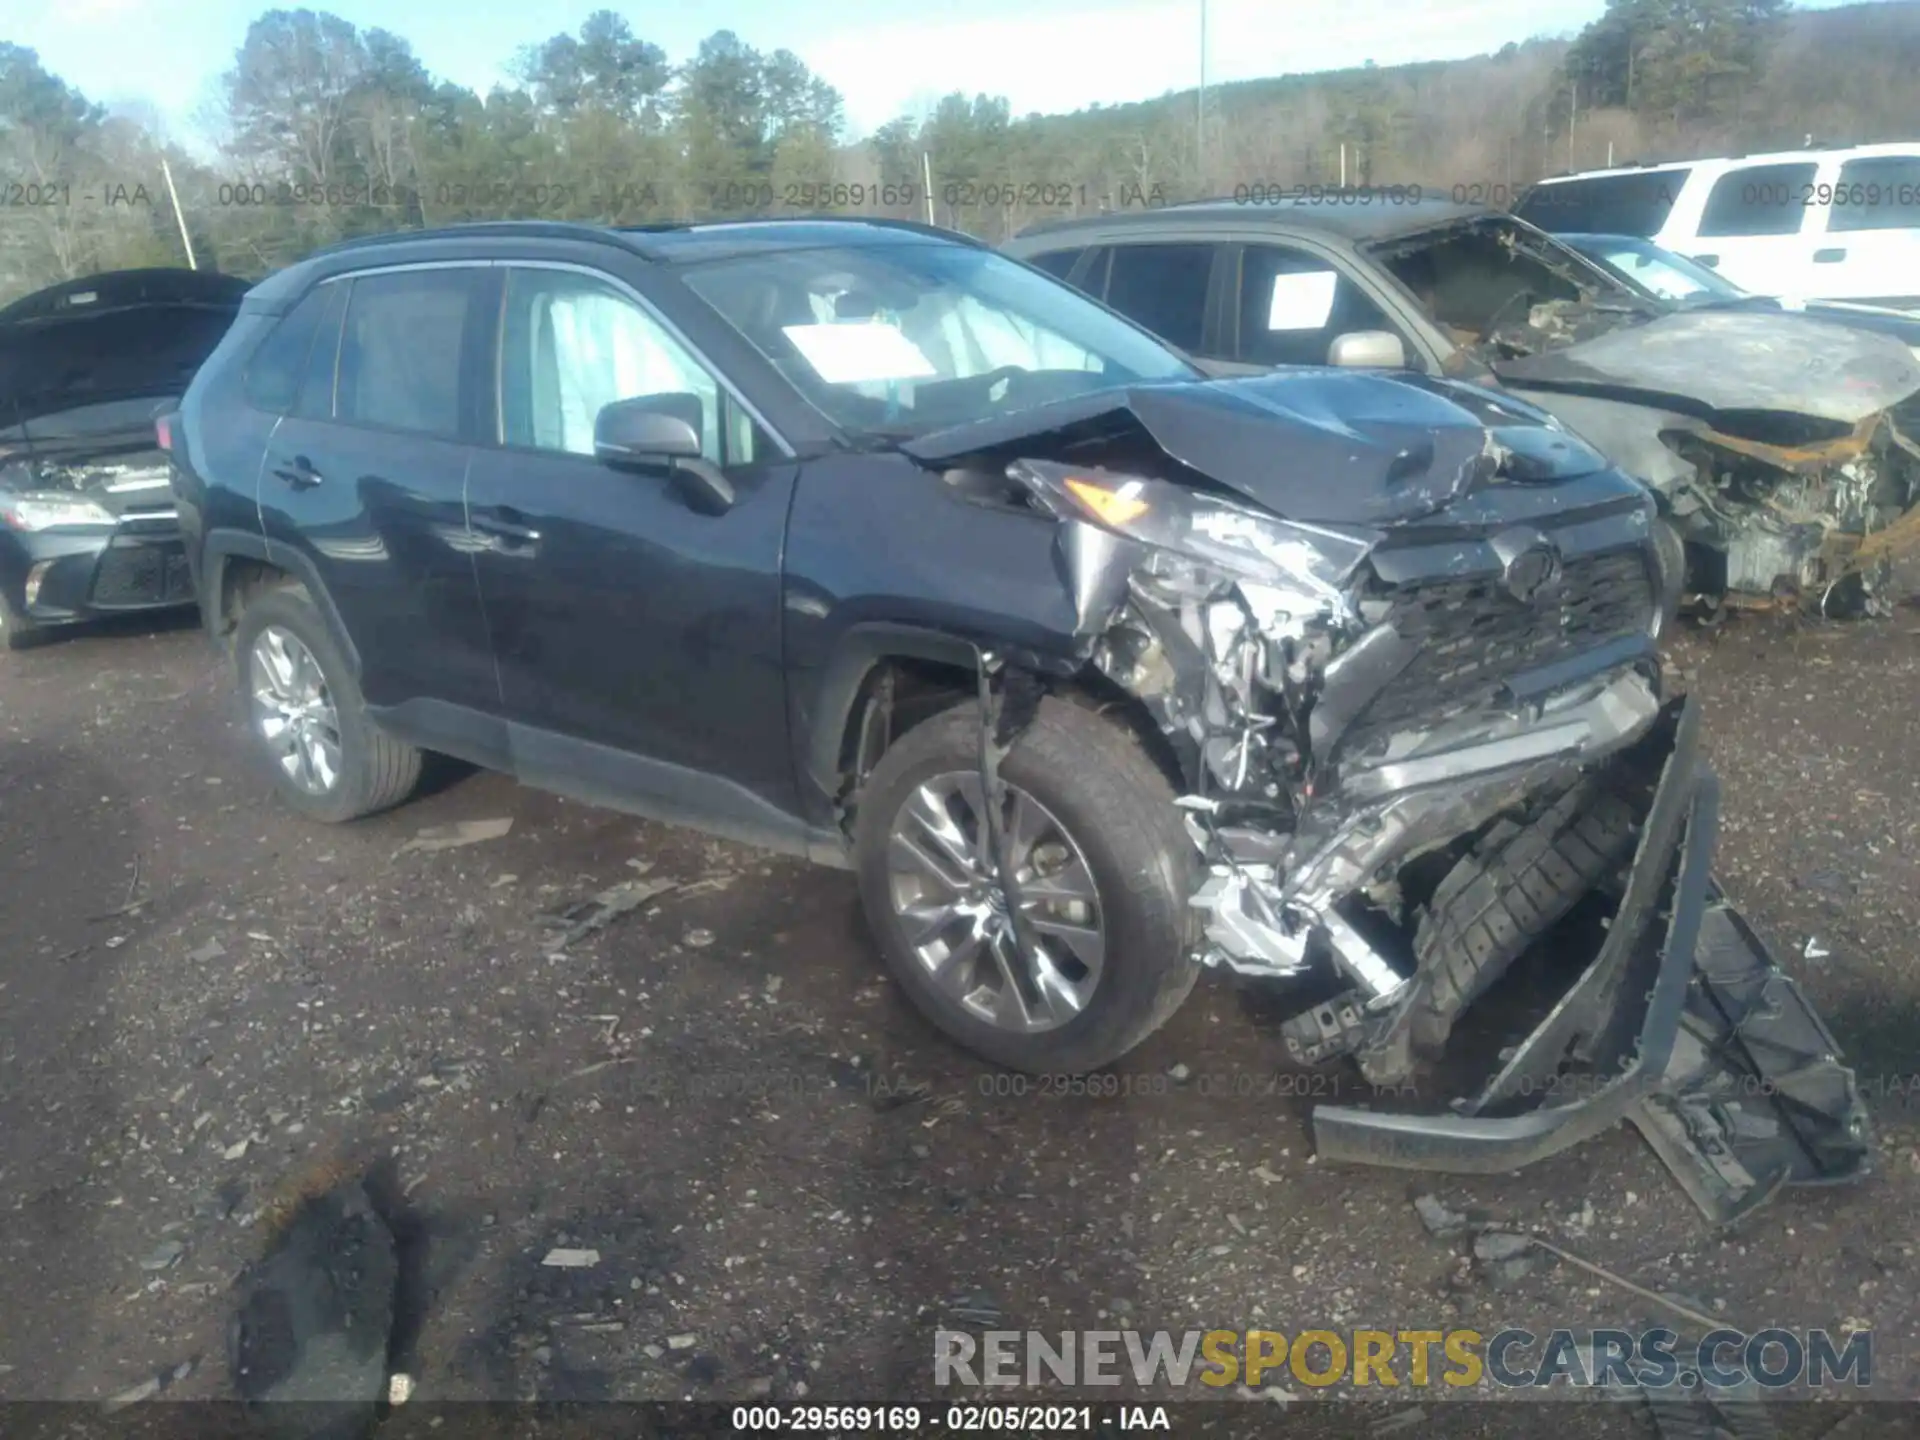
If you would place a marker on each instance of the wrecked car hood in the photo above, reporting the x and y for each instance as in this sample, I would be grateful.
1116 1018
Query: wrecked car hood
1731 361
1322 446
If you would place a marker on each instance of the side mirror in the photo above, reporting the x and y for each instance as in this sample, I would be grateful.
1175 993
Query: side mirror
1368 350
655 433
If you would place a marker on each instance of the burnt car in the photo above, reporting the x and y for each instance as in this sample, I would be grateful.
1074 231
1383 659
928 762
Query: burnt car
1785 451
87 524
861 541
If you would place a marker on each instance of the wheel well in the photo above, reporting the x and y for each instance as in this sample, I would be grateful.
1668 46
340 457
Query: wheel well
241 578
901 692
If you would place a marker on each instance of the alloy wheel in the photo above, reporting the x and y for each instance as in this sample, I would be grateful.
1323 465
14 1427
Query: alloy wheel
946 894
293 710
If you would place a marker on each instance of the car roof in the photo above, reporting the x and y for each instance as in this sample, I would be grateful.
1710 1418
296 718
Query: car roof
1378 216
671 243
1722 162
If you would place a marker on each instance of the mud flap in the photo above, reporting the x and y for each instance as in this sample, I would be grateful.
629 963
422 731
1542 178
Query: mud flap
1754 1097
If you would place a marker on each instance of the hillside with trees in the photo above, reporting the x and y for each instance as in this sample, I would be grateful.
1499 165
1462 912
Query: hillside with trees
328 130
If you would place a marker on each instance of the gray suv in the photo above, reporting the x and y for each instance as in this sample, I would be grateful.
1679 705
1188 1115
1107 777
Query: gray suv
1781 448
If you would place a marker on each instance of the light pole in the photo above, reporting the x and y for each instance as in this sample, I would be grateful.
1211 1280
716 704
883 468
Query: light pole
1200 104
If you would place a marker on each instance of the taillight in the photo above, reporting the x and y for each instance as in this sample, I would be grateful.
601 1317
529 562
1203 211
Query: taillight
163 431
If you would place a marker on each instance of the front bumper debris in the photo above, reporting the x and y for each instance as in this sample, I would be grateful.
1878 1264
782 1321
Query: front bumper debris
1682 1024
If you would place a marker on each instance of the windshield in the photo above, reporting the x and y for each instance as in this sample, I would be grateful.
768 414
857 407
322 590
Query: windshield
1660 273
907 337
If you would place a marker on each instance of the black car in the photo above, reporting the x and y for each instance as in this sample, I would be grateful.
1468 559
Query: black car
861 541
1783 448
87 524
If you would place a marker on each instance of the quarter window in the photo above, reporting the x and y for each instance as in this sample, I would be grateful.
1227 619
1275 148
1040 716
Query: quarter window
1636 204
276 371
1881 192
400 353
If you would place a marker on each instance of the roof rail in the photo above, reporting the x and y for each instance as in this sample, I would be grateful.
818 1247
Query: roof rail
918 227
548 229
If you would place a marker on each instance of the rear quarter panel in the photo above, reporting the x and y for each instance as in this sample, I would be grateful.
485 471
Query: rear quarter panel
218 443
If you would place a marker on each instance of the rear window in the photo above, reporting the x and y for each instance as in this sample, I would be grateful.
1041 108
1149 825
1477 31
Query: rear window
1164 288
1758 200
1878 193
400 354
1605 204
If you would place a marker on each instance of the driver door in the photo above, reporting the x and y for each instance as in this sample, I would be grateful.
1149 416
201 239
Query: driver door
625 625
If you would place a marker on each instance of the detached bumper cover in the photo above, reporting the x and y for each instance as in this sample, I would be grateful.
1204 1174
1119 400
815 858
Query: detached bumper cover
1683 1025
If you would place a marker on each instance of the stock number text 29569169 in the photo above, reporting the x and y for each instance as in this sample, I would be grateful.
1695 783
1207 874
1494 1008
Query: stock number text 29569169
960 1419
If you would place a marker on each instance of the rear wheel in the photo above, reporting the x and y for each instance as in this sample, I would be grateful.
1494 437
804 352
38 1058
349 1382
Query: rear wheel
305 713
1103 867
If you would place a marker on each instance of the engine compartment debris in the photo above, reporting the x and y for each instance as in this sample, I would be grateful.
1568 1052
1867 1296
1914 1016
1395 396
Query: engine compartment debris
1782 448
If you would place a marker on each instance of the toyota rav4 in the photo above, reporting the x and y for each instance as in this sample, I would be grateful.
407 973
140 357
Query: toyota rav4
861 541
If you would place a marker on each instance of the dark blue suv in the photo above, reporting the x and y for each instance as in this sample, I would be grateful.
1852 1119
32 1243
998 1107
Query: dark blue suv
859 540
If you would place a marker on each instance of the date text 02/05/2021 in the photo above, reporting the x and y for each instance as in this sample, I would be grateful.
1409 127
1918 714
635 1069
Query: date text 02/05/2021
947 1419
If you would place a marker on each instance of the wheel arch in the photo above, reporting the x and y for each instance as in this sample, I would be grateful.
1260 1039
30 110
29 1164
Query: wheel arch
235 562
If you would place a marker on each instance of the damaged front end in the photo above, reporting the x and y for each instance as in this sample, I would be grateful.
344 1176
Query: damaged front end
1784 447
1377 723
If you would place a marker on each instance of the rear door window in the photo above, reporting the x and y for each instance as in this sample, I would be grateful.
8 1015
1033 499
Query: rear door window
1164 288
1636 204
400 353
1758 200
1294 305
1881 192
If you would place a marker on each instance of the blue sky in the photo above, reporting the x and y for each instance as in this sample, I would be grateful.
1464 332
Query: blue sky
885 58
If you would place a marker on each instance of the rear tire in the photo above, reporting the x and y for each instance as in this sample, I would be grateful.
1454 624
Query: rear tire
1113 805
375 771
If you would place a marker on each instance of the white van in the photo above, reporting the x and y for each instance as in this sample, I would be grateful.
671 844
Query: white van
1838 224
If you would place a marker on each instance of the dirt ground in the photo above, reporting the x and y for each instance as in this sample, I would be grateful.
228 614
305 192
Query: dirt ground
789 1179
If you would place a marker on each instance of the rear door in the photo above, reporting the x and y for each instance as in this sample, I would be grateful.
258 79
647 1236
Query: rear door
1866 243
1756 226
366 481
638 640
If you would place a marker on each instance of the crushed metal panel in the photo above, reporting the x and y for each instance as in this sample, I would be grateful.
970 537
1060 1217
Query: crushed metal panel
1733 361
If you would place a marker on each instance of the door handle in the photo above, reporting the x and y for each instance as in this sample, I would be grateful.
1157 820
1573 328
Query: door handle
507 526
1710 261
300 475
1828 257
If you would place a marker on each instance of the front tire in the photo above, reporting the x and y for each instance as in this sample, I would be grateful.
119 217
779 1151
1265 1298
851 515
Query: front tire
306 716
1105 871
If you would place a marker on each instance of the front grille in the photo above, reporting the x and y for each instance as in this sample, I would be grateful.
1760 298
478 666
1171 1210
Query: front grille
1473 636
142 575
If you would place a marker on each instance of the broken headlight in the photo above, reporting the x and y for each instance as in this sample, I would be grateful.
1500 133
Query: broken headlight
1227 540
44 509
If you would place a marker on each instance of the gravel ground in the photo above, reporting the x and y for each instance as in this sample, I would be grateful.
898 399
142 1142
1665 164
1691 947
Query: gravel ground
790 1181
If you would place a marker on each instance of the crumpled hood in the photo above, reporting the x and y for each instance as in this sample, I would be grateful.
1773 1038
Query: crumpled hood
1723 360
1325 446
